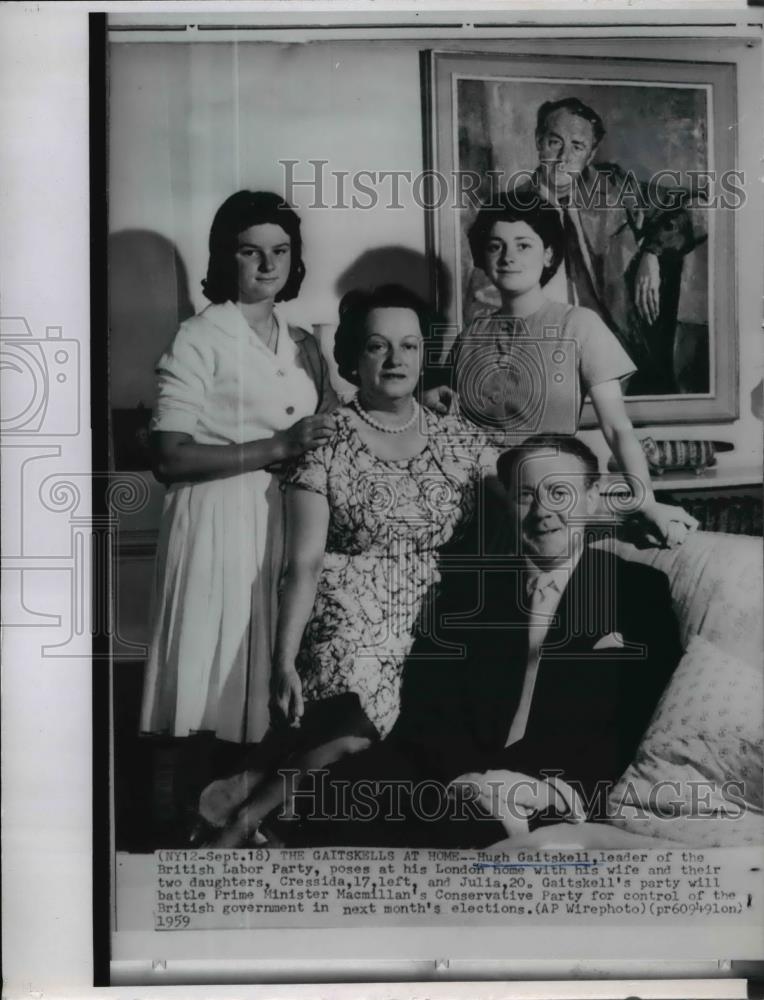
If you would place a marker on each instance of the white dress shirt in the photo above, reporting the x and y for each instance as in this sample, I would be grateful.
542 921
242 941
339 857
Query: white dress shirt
545 588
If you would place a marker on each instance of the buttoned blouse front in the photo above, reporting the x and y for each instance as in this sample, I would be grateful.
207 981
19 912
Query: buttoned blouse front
221 539
202 391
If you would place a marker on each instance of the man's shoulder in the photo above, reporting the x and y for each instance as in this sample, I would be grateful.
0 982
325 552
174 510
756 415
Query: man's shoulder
610 179
642 595
608 173
639 598
631 572
611 170
636 569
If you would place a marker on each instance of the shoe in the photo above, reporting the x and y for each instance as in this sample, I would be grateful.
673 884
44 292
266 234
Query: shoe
201 832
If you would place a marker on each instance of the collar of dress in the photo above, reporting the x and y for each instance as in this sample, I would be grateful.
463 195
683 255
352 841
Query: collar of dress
226 317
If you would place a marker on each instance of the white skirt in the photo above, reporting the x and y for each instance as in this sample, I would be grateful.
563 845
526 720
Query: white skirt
218 565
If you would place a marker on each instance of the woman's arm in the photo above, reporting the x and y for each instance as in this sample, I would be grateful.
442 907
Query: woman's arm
307 523
178 458
669 523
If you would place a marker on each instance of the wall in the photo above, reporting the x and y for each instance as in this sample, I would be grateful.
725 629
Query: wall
192 123
184 137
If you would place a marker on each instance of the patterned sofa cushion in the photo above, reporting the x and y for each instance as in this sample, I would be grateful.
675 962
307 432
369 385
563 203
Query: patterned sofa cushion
707 728
702 757
717 585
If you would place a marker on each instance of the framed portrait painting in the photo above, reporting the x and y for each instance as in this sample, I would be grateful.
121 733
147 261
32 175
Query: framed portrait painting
637 161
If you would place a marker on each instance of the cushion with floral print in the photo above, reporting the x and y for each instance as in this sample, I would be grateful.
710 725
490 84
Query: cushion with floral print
702 756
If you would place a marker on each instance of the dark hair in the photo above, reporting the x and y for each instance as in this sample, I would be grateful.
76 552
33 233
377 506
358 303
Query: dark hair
543 219
354 313
237 213
508 461
575 107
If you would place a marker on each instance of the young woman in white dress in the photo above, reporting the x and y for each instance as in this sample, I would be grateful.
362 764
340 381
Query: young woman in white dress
240 391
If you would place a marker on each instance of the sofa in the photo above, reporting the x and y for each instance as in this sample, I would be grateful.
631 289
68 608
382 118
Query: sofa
698 775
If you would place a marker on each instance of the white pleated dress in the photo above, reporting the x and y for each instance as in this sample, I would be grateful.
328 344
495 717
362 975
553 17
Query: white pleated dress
220 547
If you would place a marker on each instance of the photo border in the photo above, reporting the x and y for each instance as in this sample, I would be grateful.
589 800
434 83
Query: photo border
44 926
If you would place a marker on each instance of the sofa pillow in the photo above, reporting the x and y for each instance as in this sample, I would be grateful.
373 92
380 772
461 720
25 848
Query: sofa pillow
717 588
702 756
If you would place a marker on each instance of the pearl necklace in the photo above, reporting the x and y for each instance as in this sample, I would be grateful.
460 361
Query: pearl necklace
385 428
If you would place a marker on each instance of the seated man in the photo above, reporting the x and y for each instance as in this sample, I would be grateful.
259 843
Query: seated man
534 687
567 656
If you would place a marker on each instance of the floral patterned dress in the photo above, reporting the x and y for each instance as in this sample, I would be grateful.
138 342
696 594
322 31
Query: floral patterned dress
388 519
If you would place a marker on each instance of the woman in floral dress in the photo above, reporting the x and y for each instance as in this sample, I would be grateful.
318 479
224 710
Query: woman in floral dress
367 513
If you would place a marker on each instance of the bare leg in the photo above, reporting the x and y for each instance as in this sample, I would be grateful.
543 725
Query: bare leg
272 793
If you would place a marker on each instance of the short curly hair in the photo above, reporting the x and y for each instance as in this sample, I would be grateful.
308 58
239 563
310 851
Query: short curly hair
355 308
543 219
237 213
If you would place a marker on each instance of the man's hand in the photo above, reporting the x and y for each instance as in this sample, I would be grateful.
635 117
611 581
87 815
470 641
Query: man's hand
507 796
647 288
440 399
667 525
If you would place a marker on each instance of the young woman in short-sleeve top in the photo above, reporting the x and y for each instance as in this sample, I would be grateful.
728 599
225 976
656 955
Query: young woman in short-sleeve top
239 391
528 368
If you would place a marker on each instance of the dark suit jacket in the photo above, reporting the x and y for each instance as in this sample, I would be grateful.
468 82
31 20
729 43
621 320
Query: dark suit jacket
590 706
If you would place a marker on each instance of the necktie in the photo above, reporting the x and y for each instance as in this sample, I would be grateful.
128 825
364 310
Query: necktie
539 585
544 589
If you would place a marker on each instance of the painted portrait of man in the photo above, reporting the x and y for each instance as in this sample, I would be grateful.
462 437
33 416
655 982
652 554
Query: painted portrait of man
620 164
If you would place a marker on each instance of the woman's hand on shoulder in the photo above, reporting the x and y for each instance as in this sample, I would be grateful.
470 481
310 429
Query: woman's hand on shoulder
308 433
666 524
286 695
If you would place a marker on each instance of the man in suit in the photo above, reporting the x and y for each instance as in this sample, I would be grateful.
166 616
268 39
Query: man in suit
624 241
527 699
565 657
